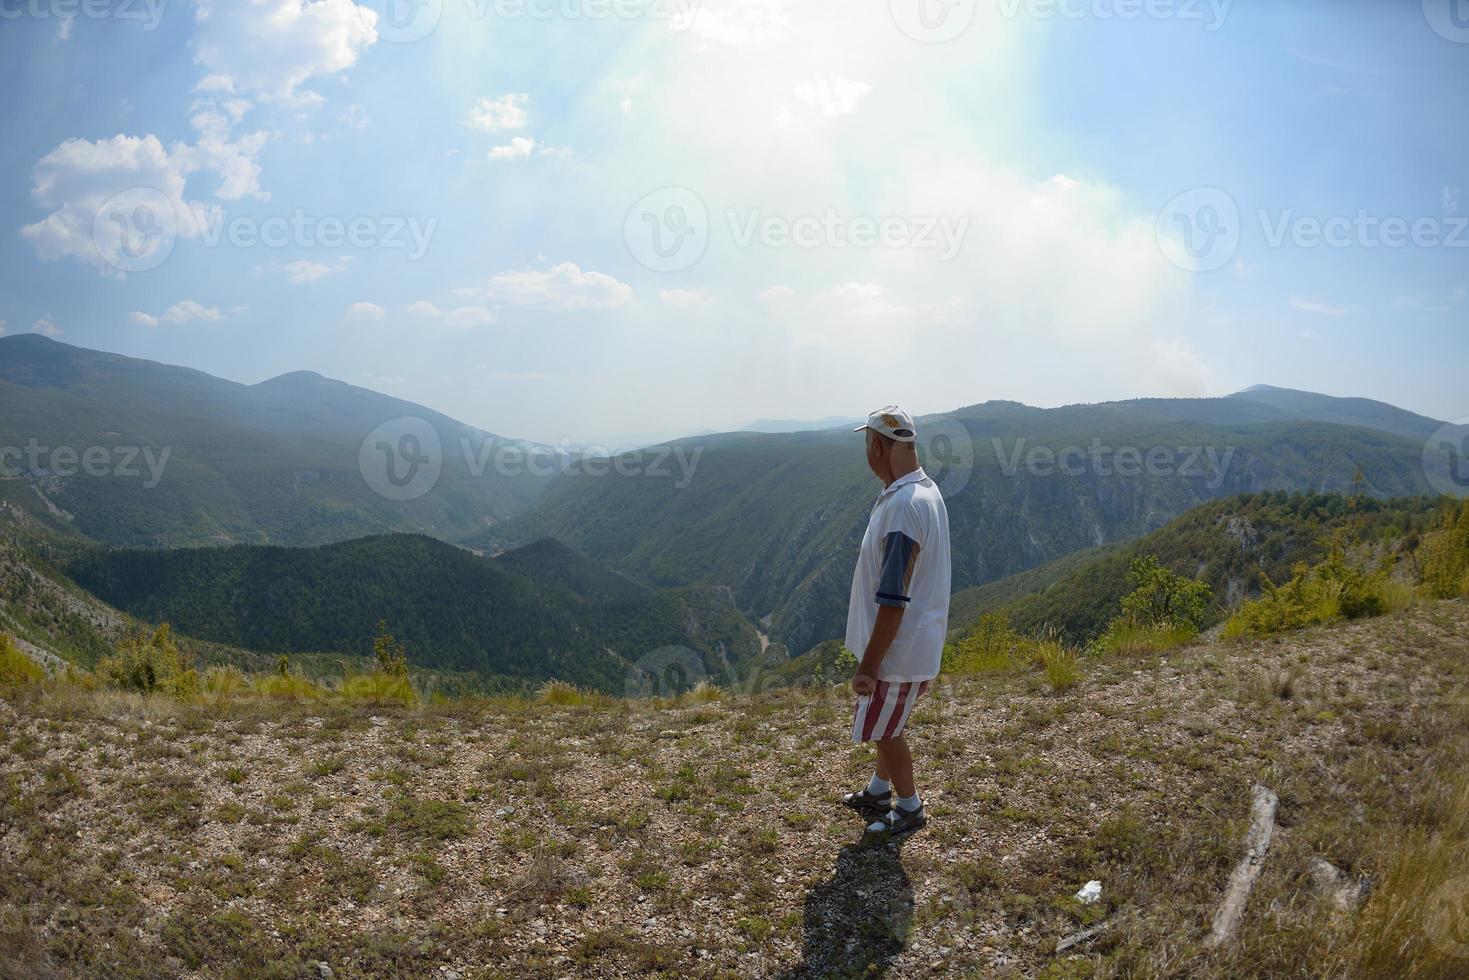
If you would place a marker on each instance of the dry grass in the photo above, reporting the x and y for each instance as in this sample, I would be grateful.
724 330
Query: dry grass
699 837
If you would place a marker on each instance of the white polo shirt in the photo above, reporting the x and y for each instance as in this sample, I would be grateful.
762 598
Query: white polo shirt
904 562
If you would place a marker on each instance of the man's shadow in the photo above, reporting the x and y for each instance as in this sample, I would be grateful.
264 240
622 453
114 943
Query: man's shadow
857 922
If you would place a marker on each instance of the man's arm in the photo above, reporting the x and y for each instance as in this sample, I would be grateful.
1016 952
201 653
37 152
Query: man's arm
889 618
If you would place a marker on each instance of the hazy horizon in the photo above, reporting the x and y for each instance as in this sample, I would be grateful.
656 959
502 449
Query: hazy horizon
620 225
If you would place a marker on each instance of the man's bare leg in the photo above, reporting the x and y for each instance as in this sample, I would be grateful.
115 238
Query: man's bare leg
895 763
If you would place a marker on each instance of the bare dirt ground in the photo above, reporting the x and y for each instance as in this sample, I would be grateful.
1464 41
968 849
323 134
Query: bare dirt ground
143 837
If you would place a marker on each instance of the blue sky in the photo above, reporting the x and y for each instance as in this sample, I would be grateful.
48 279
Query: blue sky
866 216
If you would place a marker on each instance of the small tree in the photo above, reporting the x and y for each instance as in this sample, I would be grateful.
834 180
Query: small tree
1164 599
151 662
388 653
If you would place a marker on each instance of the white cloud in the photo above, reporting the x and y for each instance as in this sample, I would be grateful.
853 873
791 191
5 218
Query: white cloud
561 288
737 22
304 271
776 293
80 177
832 97
45 327
180 312
354 116
683 298
235 160
1175 371
365 311
1320 308
272 47
505 112
517 149
63 29
463 317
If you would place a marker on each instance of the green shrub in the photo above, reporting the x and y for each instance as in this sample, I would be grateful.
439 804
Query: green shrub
991 646
1061 667
1333 589
1164 610
150 663
1444 555
388 653
224 682
560 693
15 667
1163 597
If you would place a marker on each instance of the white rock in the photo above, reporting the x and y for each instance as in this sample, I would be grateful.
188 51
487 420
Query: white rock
1090 892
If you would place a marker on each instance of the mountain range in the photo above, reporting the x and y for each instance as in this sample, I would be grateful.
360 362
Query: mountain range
761 525
185 458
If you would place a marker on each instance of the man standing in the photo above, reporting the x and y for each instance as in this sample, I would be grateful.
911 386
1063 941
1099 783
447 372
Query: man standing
897 620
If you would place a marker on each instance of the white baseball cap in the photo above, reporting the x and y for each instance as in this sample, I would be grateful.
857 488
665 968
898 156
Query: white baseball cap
892 422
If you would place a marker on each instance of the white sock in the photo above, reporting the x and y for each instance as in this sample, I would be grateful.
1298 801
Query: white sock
909 803
878 785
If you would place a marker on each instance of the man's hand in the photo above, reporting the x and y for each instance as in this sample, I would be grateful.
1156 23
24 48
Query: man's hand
863 684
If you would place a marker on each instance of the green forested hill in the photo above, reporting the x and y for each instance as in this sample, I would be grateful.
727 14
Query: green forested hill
777 518
272 462
1228 543
452 609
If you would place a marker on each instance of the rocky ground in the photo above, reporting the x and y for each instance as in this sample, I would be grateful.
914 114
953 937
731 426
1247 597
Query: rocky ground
142 837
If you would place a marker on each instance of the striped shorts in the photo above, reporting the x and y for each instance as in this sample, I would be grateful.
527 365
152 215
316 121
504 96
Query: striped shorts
884 713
